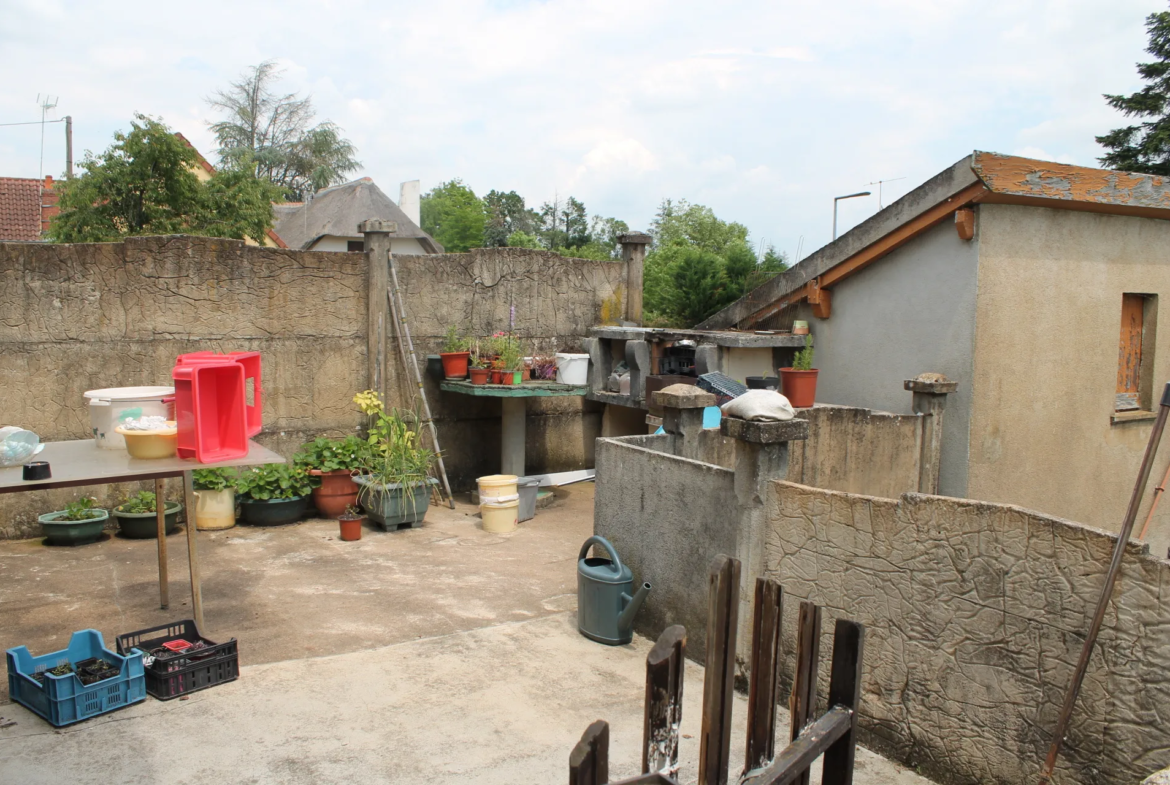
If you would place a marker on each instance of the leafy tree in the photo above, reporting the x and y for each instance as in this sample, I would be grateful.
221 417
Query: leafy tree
699 285
564 224
1145 147
275 132
683 223
506 214
145 183
453 215
773 262
523 240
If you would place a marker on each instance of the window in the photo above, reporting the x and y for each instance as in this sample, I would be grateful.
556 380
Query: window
1135 362
355 245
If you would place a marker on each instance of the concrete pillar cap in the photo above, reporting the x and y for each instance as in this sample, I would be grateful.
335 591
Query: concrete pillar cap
683 396
635 238
764 432
931 383
376 225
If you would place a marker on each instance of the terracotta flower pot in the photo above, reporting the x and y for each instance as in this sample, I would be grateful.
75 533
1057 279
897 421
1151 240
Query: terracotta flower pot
351 527
455 364
799 387
480 375
497 376
337 491
508 377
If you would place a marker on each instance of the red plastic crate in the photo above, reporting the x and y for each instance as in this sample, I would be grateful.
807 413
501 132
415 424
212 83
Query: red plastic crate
210 411
251 361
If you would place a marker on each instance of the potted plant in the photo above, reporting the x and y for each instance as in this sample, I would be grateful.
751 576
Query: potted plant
332 463
799 382
79 523
215 499
350 522
137 517
455 354
511 360
273 494
395 487
480 368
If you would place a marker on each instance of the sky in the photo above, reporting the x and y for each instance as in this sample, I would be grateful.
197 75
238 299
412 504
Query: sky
763 110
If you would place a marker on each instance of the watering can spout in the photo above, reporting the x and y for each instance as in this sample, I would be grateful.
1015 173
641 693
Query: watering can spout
632 604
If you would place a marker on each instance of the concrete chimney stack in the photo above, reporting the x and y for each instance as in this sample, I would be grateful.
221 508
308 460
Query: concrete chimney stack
408 201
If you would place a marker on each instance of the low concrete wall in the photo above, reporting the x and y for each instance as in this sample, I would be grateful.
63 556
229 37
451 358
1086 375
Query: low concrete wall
975 615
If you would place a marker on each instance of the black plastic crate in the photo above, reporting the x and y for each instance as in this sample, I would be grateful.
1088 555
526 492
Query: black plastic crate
723 387
171 674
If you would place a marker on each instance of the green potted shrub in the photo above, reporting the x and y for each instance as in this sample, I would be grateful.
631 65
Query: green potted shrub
137 517
273 494
79 523
395 486
455 354
332 463
799 382
215 499
511 360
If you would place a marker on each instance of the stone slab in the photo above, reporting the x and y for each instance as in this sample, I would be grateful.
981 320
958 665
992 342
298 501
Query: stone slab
764 432
683 396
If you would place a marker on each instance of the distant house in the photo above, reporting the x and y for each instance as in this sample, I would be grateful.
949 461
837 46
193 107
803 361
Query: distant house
329 221
26 207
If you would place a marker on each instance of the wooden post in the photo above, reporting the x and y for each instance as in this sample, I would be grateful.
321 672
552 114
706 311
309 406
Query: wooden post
589 760
803 703
719 683
665 666
192 550
844 690
764 685
377 249
160 504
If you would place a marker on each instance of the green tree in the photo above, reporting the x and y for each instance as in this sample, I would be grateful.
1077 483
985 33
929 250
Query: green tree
505 215
699 285
523 240
145 183
1145 147
275 133
564 224
683 223
453 215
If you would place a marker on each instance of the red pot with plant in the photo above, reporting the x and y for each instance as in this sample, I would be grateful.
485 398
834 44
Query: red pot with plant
332 462
480 375
799 382
336 492
497 376
455 354
350 523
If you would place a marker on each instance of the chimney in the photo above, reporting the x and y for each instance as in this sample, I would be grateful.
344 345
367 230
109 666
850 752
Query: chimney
408 201
49 208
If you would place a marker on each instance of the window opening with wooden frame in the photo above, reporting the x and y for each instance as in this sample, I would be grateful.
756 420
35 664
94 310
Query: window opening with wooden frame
1135 363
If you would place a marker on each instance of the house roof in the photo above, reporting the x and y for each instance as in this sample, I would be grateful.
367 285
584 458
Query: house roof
20 209
979 178
337 211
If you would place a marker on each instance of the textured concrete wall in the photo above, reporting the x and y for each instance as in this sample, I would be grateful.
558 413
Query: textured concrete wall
1049 316
908 313
975 615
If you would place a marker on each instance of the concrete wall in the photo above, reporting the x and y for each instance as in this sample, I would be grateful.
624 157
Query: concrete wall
407 246
1046 351
975 615
911 312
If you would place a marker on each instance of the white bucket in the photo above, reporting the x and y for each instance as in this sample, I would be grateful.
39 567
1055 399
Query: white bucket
573 369
108 408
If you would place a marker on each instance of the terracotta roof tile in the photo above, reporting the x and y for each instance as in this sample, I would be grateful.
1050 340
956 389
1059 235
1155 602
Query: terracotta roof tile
20 209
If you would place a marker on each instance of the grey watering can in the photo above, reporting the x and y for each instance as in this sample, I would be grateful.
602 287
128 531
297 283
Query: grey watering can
605 609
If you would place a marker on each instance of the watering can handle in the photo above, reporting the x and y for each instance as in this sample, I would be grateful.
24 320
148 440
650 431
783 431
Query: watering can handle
604 543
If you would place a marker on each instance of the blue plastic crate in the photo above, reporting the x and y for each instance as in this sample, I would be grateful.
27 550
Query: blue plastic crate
63 700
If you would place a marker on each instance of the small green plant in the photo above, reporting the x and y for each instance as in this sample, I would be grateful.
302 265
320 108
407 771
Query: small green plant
142 502
454 342
397 455
81 510
804 358
274 481
352 511
213 479
511 355
329 455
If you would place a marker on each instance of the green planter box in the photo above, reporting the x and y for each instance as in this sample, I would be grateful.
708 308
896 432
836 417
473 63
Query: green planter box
273 512
390 506
59 532
144 525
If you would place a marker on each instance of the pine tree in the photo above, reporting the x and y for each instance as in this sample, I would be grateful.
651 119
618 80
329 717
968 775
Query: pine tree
1145 147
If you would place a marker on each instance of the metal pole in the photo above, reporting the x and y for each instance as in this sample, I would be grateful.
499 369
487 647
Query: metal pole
839 198
1135 501
69 146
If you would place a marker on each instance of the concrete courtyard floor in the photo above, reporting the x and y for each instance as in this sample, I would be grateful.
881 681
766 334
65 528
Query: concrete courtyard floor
438 654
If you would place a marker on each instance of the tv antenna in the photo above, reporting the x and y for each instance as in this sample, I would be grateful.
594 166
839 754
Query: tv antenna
878 183
46 103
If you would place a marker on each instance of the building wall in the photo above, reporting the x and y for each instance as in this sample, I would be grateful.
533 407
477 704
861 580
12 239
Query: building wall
1046 354
407 246
974 619
910 312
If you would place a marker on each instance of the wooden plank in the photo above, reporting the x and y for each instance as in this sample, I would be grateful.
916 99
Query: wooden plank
160 503
844 691
193 552
764 684
719 682
589 760
665 667
803 702
1129 361
834 725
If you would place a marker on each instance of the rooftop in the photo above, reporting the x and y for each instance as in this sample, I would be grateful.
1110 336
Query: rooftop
20 209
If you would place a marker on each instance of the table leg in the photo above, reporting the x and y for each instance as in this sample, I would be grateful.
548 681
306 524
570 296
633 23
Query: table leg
192 550
161 517
512 436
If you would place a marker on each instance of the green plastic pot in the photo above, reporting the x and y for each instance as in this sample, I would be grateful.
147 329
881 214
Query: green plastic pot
59 532
273 512
389 506
144 525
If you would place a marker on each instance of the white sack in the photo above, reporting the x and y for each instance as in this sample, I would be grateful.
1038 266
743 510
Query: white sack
760 406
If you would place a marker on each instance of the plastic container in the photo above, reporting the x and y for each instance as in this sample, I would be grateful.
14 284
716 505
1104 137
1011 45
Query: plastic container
528 487
144 525
572 369
273 512
210 411
500 518
181 671
253 392
58 532
147 445
215 510
109 407
390 506
18 445
63 700
496 485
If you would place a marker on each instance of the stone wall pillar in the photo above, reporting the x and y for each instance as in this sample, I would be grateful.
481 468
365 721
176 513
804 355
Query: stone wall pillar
930 400
708 359
634 254
638 360
600 364
682 417
376 234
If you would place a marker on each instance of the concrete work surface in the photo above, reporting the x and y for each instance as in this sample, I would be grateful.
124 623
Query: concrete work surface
441 654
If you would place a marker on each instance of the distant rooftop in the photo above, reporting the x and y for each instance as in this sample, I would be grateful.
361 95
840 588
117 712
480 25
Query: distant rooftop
20 209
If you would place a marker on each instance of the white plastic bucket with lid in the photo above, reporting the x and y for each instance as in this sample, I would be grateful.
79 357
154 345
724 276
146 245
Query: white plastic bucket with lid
572 368
500 517
108 408
497 486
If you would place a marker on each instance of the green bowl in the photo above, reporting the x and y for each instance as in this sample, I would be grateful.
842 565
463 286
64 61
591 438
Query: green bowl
144 525
58 532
